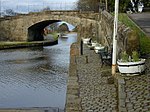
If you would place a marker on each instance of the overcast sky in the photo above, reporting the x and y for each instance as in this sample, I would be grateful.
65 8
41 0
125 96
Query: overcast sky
35 5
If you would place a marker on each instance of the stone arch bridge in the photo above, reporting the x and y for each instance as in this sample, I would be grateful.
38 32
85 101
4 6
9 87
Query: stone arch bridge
29 27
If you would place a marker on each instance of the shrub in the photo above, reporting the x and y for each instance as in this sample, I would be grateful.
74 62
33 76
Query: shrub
124 56
135 56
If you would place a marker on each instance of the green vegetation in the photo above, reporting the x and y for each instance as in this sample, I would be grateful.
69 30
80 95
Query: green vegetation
17 44
124 56
93 5
144 40
13 43
55 35
135 56
127 58
6 45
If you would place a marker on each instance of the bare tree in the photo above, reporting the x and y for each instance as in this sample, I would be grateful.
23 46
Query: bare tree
10 12
46 8
92 5
88 5
106 5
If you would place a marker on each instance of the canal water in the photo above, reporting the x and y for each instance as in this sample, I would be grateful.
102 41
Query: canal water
35 77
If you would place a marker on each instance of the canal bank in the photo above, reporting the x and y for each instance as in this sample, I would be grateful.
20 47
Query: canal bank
93 89
32 110
11 45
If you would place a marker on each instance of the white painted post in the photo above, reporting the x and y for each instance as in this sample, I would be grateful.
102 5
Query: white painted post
115 38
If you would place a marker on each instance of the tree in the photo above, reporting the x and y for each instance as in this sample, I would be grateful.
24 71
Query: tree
106 5
146 3
46 9
10 12
88 5
94 5
2 14
63 27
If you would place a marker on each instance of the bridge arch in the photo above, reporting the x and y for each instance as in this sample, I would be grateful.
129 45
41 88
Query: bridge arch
35 32
29 26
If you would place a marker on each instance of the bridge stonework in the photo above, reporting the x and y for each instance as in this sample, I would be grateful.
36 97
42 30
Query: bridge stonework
98 26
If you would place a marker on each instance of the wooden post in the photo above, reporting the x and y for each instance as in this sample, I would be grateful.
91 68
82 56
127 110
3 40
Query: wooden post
81 47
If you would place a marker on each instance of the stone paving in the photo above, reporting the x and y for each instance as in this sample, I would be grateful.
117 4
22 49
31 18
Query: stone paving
96 94
96 88
93 89
134 92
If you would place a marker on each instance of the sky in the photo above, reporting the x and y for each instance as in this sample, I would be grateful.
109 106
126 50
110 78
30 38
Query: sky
36 5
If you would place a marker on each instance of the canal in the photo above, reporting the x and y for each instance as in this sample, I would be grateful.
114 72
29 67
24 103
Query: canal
35 77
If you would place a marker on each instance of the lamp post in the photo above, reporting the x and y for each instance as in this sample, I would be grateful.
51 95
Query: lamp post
115 38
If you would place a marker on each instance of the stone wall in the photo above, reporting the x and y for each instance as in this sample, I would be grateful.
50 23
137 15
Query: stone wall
100 28
14 29
127 39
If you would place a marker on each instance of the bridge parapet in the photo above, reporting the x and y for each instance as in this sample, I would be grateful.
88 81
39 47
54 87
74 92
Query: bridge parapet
75 13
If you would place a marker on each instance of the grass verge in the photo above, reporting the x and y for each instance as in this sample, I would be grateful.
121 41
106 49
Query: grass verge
144 40
55 35
7 45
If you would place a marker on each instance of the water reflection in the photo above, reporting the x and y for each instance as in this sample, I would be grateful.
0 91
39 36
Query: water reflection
35 77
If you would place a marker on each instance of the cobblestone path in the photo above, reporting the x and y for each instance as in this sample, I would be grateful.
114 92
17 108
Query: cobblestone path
93 89
134 92
137 94
97 91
